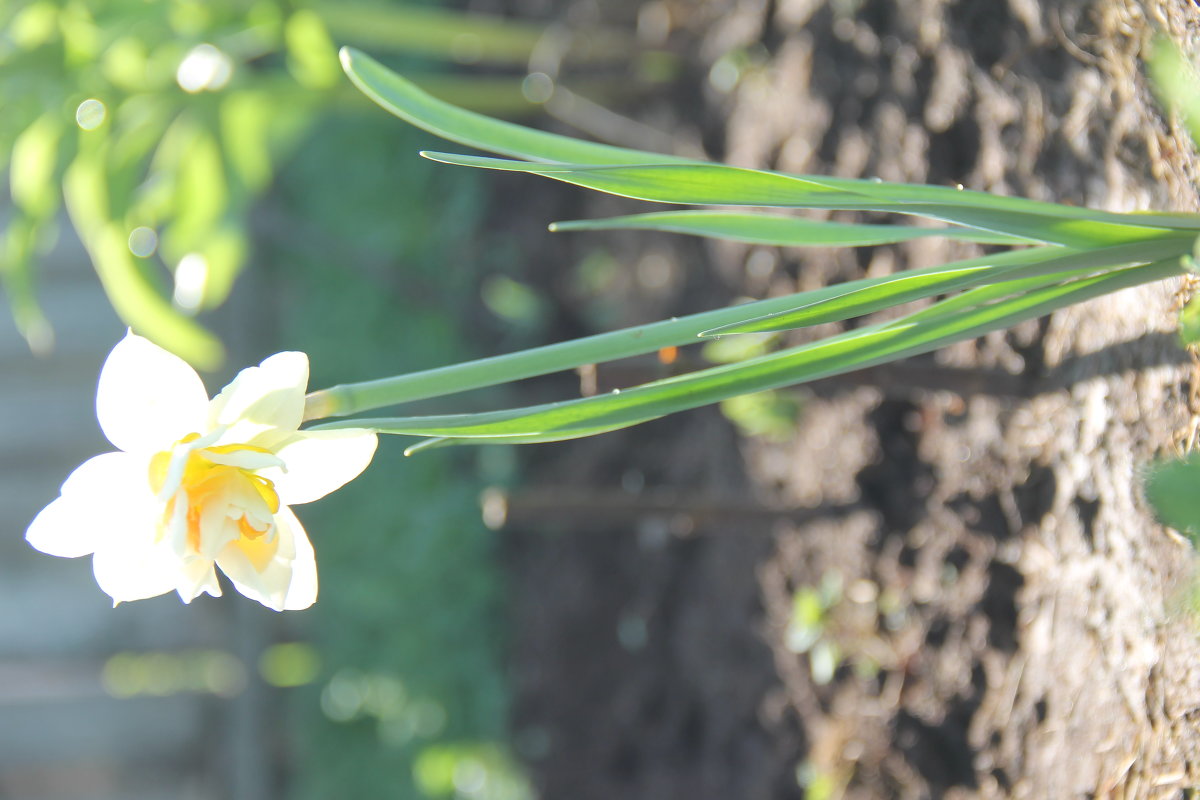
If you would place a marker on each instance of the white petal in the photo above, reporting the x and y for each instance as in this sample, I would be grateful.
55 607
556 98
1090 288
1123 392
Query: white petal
135 572
197 577
318 462
175 531
289 581
105 498
263 399
148 398
216 529
63 529
302 592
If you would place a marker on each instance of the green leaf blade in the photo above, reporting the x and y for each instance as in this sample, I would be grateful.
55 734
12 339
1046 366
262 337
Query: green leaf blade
1014 272
402 98
699 183
773 229
834 355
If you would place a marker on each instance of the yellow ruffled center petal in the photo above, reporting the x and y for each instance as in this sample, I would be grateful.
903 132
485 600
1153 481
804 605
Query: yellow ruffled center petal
214 497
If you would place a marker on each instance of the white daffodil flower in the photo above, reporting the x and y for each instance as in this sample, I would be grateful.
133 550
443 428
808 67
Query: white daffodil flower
200 482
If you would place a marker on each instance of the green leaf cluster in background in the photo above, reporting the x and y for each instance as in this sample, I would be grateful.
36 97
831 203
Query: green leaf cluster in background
157 124
151 125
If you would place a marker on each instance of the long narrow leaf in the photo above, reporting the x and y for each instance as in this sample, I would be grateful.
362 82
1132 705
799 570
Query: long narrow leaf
718 184
438 442
1048 265
400 97
834 355
774 229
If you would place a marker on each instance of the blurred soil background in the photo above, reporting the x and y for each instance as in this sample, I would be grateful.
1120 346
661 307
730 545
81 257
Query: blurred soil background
935 580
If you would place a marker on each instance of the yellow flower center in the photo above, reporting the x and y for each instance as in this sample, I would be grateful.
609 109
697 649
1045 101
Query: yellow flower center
215 497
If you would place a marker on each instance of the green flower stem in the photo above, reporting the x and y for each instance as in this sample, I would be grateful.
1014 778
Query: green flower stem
353 398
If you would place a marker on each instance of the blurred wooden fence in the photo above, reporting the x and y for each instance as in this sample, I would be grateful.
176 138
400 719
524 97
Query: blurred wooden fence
63 733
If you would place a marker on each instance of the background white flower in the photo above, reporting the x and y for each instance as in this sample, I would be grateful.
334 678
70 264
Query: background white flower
200 483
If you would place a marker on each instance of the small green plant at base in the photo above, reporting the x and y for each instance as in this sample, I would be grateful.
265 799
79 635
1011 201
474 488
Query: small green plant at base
807 630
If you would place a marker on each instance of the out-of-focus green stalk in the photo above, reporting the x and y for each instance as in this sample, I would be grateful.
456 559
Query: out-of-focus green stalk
465 37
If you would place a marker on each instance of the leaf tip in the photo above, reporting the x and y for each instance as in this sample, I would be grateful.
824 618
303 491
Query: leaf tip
348 55
427 444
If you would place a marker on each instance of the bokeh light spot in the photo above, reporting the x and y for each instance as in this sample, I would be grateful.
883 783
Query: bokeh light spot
143 241
90 114
191 277
537 87
204 68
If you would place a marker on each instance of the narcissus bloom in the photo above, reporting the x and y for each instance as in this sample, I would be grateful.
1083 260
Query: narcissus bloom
200 482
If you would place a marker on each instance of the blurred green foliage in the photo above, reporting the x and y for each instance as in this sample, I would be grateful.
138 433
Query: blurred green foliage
160 673
479 771
808 628
1176 82
770 415
157 124
821 784
411 700
146 117
1171 489
1170 484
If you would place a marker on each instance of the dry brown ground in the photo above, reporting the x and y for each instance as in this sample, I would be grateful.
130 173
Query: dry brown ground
1011 622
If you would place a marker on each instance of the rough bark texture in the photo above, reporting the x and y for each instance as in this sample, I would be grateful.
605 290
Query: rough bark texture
1012 623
